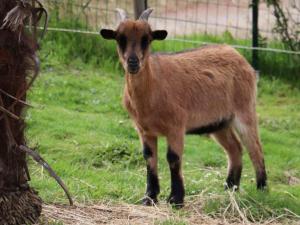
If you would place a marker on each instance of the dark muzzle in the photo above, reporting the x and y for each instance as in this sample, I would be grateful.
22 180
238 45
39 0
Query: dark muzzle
133 64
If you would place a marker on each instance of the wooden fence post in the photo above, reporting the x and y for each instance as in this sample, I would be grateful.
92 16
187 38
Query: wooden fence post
255 33
139 7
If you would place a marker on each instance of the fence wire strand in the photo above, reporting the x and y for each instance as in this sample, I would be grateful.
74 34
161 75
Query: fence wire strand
181 40
183 19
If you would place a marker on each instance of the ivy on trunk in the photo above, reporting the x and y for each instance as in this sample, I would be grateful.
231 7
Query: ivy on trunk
286 25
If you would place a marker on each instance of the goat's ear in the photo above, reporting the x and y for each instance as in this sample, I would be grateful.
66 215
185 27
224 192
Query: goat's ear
159 34
108 34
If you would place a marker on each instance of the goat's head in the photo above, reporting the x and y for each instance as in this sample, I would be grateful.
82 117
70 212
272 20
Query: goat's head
134 38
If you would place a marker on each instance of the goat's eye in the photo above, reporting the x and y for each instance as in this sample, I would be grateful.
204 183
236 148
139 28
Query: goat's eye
122 41
144 42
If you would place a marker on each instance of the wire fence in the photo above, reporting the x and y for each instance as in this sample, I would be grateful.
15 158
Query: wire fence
189 22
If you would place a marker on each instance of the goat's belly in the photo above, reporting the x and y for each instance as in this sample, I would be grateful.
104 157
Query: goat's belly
199 124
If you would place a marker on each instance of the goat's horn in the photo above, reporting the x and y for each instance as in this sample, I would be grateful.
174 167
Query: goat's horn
121 14
145 15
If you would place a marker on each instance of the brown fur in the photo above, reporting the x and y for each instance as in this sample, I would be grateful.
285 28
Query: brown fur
174 93
186 84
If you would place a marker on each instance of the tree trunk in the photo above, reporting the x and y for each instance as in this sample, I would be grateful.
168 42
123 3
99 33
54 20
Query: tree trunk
19 204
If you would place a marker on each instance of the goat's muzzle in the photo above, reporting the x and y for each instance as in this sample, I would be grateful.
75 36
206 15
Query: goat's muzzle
133 64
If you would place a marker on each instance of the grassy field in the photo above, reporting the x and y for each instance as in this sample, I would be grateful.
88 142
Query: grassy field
79 126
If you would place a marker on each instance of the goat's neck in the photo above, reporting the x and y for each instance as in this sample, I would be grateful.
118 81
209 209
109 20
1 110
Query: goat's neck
140 85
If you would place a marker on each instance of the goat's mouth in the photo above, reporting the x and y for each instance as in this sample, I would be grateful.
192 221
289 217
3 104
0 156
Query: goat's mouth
133 70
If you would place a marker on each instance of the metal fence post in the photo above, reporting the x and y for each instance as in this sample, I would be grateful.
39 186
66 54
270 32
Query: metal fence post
139 7
255 33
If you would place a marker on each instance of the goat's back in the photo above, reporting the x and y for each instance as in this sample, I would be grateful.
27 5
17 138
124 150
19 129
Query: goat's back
214 80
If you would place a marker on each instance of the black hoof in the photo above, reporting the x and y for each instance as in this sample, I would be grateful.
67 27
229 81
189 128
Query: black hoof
261 181
147 201
233 178
261 185
176 202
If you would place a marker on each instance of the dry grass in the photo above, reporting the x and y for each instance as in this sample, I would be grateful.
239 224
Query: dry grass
120 214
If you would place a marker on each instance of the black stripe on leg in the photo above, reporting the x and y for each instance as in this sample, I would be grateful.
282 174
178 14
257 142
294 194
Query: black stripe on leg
172 157
147 152
152 180
234 177
152 183
177 187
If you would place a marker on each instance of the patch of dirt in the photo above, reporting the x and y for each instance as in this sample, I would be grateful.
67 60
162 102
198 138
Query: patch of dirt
292 180
215 17
186 17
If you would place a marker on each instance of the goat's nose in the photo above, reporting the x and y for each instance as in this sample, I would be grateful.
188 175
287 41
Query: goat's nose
133 64
133 61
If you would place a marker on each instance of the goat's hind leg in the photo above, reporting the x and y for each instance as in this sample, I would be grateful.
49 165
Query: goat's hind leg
246 126
228 140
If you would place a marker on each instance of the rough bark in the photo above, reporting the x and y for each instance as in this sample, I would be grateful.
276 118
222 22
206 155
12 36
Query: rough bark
19 204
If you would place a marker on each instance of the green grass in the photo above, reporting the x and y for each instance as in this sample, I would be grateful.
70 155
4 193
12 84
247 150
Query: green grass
79 126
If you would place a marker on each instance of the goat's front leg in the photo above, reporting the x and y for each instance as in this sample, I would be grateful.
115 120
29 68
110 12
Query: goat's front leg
174 157
150 155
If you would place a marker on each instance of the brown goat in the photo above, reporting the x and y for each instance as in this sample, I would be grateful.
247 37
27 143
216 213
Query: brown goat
206 90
